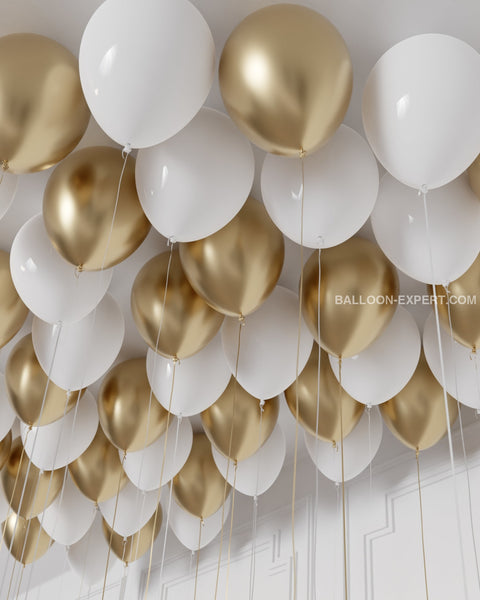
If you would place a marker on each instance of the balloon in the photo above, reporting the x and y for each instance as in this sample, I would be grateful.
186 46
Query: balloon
359 449
5 447
286 78
474 176
7 414
170 316
98 471
13 311
207 371
232 423
416 415
35 399
48 285
174 179
236 268
146 68
352 274
268 347
8 188
43 112
328 404
420 109
25 539
4 506
144 468
340 189
129 413
29 489
380 371
83 219
58 444
256 474
398 222
199 488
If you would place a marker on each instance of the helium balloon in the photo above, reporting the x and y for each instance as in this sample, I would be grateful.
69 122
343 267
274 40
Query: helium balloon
13 311
26 540
5 447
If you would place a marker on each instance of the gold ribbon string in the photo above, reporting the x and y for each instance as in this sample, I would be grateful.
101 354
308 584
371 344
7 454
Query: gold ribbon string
417 452
235 464
198 557
344 512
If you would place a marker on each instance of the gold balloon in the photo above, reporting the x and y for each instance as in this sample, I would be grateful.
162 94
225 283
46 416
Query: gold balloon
286 78
352 274
134 546
26 385
130 415
329 426
236 268
29 490
238 409
13 311
187 322
79 205
474 176
43 113
98 470
199 487
416 415
26 540
5 448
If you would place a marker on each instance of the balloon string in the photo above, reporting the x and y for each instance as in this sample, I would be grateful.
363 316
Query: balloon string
4 165
84 568
231 528
11 579
344 512
17 595
417 452
198 557
370 466
123 584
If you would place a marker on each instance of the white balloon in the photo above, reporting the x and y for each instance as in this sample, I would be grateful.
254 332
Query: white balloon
385 367
420 109
56 445
256 474
398 222
8 188
7 414
199 380
77 354
70 515
146 68
359 448
268 352
48 284
341 186
144 467
193 184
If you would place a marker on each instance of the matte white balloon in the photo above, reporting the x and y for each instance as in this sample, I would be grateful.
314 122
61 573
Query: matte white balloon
7 414
399 225
420 109
268 352
77 354
48 284
199 380
8 187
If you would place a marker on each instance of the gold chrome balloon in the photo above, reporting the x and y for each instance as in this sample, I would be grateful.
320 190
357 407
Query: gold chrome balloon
5 448
43 113
29 489
286 78
130 415
474 176
187 322
358 290
25 539
13 311
199 487
236 268
27 383
238 409
81 217
416 415
329 425
98 471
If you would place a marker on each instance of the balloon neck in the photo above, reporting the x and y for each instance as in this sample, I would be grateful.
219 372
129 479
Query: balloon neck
417 452
78 270
301 153
423 190
172 240
126 151
241 319
4 165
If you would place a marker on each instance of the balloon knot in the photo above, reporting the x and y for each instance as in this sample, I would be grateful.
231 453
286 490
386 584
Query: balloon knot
255 500
423 191
175 360
4 165
69 394
320 241
241 319
179 417
126 151
262 405
369 407
334 444
172 240
78 270
302 153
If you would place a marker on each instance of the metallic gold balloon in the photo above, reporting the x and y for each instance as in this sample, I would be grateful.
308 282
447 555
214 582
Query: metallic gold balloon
358 290
98 470
236 268
30 490
79 206
5 448
416 415
13 311
199 487
329 426
134 546
43 113
474 176
131 418
286 78
238 409
187 322
26 540
26 385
